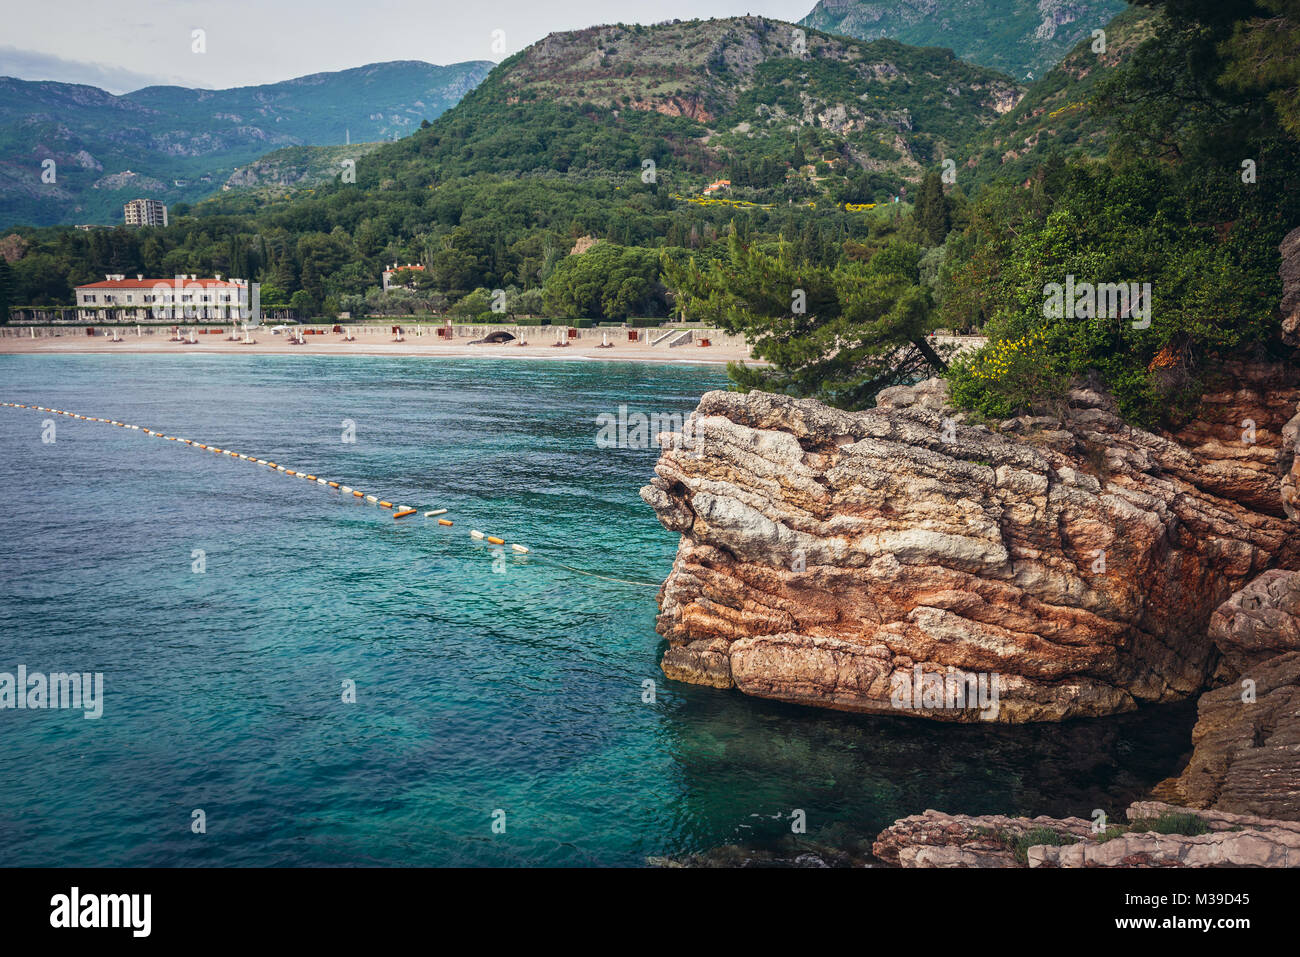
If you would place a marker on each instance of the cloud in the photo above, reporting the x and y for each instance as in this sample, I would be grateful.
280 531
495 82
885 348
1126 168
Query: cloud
31 65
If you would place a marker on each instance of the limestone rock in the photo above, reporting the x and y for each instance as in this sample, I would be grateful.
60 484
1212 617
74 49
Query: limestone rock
852 560
1246 753
933 839
1259 622
1291 475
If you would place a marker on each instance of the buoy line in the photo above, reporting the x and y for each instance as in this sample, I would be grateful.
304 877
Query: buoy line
399 511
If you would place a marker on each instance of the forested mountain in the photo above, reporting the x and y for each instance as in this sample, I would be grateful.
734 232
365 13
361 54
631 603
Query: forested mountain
785 114
1057 114
1023 38
177 144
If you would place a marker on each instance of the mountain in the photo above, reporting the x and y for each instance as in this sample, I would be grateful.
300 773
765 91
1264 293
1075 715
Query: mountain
1055 114
759 99
178 145
292 167
1023 38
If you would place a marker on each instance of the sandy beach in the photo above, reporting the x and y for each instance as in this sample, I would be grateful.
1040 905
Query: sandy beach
74 342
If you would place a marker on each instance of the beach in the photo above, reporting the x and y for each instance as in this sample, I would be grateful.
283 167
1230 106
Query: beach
376 341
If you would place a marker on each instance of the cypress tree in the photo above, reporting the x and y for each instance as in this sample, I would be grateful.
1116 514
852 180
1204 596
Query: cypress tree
932 213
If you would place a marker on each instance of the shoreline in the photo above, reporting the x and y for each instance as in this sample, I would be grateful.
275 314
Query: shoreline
417 347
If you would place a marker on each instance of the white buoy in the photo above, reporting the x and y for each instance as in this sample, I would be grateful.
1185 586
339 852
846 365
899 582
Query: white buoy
475 533
436 511
520 549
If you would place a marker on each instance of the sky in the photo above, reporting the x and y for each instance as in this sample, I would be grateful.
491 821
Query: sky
126 44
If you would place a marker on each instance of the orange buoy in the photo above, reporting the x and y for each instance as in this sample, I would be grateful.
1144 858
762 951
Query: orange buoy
333 484
311 478
358 495
404 512
385 504
443 521
496 541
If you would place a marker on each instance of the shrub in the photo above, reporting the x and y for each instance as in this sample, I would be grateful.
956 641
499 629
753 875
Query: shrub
1172 822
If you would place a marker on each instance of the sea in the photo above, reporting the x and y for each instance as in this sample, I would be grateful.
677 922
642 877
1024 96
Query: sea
292 677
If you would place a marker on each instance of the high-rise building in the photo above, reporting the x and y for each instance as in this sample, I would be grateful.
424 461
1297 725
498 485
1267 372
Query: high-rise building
145 212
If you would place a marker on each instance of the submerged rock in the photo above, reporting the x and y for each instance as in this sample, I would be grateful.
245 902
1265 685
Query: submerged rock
884 561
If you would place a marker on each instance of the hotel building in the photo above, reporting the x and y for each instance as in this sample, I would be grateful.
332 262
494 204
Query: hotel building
118 299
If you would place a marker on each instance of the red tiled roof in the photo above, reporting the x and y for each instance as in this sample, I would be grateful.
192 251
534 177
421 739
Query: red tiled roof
150 283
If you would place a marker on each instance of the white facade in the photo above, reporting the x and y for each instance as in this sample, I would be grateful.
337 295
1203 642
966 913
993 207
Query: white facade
182 297
145 212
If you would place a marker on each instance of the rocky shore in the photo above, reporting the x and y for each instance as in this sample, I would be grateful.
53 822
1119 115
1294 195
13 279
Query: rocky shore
827 558
888 561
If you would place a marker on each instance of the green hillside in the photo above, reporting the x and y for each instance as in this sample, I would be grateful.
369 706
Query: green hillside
735 98
1057 115
1023 38
281 171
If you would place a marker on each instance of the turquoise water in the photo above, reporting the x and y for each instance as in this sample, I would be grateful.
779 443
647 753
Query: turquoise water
482 684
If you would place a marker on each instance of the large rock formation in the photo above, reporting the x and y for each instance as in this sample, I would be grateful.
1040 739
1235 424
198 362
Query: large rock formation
1291 480
1246 756
1290 306
1207 839
858 560
1260 622
1246 746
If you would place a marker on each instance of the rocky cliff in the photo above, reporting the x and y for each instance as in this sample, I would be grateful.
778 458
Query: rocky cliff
892 560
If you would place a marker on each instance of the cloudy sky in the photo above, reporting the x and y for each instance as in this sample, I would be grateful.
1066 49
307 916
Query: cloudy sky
125 44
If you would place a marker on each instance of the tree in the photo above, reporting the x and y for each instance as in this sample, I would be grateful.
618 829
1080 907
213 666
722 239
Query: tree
1262 58
606 282
302 304
932 213
839 334
6 289
473 305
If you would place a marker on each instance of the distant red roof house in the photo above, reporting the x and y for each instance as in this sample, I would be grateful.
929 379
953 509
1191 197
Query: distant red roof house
388 273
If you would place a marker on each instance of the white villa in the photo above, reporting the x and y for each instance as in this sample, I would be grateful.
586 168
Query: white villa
118 299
